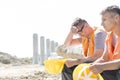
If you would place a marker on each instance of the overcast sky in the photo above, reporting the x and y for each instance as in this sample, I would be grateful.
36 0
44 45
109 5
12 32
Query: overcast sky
20 19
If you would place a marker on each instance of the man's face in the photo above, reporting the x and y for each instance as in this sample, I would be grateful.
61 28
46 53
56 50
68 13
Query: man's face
108 21
81 29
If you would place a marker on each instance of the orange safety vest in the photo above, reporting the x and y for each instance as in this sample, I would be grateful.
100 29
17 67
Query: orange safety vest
113 52
88 46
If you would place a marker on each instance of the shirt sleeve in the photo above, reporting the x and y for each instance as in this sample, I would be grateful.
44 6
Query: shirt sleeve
100 40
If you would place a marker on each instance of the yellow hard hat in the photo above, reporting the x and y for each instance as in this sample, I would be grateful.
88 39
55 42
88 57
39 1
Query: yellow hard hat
54 66
82 72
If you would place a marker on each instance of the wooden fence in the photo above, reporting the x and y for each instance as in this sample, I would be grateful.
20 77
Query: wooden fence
42 48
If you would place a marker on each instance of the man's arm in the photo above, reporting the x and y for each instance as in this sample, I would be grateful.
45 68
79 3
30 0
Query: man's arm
104 57
97 54
109 65
70 41
99 46
100 67
99 49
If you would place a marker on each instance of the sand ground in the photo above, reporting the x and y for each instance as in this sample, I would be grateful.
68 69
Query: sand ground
26 72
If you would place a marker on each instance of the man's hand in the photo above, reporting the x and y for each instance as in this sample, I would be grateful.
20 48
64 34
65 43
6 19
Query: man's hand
72 62
97 68
74 30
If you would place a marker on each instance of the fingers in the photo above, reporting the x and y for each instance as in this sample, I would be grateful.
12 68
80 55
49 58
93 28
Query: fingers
74 29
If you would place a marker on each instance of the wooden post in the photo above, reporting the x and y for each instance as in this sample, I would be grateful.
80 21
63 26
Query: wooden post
42 50
35 48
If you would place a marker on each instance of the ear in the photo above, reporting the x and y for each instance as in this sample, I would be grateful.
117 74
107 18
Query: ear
117 18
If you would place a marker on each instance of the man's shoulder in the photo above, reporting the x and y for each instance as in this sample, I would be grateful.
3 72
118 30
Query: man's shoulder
100 32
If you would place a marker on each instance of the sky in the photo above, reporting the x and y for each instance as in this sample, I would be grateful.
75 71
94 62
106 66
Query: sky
20 19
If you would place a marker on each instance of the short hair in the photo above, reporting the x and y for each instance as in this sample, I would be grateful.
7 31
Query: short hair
111 9
78 21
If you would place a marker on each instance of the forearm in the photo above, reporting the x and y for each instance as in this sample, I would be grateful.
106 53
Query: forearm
90 59
98 53
111 65
68 39
84 60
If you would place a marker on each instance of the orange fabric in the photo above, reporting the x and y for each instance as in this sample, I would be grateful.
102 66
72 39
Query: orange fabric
88 46
113 52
